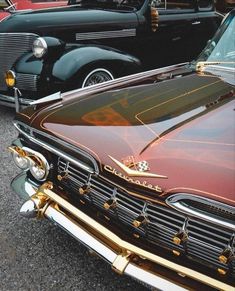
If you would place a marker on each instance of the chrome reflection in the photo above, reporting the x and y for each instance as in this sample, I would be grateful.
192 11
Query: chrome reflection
178 202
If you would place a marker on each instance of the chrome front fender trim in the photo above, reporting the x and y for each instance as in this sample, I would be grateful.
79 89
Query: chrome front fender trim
176 201
54 150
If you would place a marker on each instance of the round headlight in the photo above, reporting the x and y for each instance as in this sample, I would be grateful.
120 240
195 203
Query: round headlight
20 161
39 47
37 171
39 167
10 78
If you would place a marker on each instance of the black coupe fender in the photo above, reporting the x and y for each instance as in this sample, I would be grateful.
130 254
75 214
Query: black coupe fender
77 66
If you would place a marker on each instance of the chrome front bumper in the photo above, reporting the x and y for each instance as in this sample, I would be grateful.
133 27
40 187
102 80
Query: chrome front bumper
124 257
14 102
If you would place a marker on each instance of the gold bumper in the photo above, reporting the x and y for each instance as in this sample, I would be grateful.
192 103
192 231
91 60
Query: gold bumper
124 257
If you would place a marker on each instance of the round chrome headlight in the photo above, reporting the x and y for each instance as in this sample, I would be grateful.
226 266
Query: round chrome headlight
20 160
37 171
39 47
38 167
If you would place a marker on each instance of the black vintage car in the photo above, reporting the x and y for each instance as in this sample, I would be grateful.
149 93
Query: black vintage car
92 41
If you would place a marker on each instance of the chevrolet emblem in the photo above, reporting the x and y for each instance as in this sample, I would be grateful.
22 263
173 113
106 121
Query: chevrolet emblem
139 170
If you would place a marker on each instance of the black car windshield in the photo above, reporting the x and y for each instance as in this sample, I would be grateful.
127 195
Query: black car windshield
110 4
221 49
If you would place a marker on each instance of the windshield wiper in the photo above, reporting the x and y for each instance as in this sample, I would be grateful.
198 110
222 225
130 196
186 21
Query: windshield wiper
200 66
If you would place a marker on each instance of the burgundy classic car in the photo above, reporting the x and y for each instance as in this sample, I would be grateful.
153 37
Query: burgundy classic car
141 169
9 6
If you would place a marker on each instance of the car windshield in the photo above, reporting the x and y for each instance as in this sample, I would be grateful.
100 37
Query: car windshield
110 4
221 49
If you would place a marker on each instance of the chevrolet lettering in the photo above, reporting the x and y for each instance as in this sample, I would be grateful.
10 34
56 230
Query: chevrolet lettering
131 180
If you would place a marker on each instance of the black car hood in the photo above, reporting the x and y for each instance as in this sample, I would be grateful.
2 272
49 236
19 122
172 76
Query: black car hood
45 20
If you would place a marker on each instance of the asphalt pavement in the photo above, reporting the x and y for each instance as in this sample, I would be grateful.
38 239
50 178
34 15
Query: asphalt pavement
35 254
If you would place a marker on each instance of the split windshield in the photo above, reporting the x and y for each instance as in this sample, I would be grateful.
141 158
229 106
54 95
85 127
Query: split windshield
110 4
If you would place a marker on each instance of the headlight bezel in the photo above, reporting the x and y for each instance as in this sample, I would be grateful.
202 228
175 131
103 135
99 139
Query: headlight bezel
17 154
35 162
39 47
38 163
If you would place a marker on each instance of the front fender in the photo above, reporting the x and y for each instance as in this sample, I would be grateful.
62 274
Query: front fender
65 72
75 61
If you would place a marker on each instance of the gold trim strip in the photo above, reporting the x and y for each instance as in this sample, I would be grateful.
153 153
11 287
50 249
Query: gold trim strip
129 248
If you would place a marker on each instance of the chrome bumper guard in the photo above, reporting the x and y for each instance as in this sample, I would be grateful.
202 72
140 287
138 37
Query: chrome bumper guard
14 102
122 255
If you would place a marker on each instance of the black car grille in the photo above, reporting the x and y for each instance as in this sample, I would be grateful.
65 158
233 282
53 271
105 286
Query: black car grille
204 244
12 46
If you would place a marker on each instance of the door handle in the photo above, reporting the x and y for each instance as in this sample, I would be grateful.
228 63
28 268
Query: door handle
196 22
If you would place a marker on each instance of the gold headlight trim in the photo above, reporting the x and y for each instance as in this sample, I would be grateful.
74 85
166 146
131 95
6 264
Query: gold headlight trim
34 158
18 150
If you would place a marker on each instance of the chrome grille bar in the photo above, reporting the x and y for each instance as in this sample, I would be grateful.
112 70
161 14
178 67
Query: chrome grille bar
12 46
205 241
26 82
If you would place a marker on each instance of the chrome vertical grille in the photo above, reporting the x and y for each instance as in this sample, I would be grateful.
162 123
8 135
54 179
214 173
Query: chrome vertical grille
26 82
12 46
204 242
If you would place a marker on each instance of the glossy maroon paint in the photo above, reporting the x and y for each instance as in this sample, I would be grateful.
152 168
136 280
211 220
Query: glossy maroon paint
183 127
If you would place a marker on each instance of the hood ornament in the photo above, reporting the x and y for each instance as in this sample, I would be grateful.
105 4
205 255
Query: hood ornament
140 168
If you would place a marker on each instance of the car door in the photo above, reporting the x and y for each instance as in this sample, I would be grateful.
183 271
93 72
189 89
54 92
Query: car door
178 21
171 41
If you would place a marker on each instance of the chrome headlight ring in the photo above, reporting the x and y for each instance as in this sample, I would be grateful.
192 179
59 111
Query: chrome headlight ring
19 158
28 159
39 47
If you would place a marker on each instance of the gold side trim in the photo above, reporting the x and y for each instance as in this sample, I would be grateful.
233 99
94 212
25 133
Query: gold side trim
128 247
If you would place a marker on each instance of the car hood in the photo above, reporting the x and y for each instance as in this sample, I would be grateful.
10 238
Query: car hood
46 20
183 128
